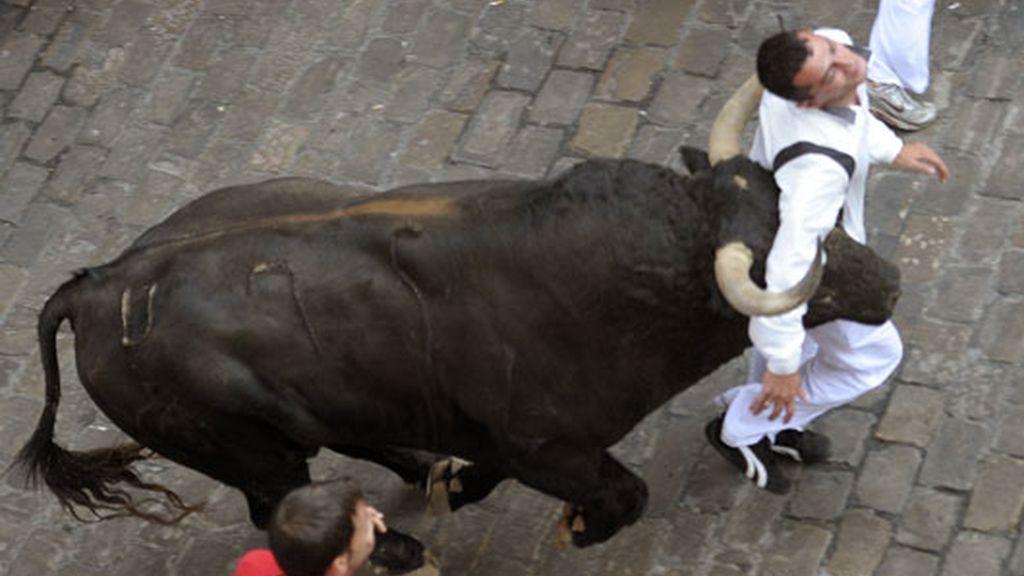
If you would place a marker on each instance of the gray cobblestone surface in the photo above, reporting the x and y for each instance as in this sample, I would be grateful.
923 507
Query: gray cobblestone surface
116 112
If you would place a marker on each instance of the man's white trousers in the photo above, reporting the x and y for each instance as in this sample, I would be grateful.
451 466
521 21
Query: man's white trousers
840 361
900 39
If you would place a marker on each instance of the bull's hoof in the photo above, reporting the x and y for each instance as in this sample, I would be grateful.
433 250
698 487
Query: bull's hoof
570 525
443 481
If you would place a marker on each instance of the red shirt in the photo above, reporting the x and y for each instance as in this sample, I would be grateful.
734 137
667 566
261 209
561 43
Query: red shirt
259 562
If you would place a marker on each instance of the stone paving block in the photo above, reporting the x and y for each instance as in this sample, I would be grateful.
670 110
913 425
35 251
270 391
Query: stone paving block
168 95
62 51
193 129
929 519
1003 183
900 561
402 16
977 555
249 115
714 484
306 95
433 139
861 543
848 430
12 279
20 185
1002 331
492 127
798 550
949 198
414 90
468 85
226 75
703 51
43 20
678 100
657 145
922 247
998 495
91 79
561 98
675 452
913 415
200 44
126 19
962 292
13 137
936 353
381 60
887 478
751 520
40 554
1016 564
984 236
531 151
995 77
55 133
34 100
498 27
821 494
890 195
74 175
143 58
952 458
133 149
604 130
1010 432
18 52
370 145
529 59
630 74
278 148
440 39
38 226
593 39
110 115
975 127
554 14
658 21
1010 278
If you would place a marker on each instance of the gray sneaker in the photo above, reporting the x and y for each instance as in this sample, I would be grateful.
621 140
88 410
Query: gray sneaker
897 108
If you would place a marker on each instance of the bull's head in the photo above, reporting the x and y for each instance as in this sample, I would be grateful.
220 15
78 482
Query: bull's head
857 284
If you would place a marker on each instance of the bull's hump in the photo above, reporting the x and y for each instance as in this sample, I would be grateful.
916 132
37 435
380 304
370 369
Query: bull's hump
283 202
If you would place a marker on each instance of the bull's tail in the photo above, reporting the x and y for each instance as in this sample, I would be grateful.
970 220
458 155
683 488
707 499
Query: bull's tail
90 479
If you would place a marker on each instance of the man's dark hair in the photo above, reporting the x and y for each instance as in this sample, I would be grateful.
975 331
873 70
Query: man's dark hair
312 526
779 59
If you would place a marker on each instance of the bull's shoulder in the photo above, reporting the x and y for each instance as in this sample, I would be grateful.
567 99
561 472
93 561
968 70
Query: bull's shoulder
230 207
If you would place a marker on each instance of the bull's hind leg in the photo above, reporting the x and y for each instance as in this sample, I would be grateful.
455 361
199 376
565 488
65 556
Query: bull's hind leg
244 454
602 494
450 483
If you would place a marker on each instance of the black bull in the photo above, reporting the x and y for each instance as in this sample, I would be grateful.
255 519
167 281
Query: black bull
523 326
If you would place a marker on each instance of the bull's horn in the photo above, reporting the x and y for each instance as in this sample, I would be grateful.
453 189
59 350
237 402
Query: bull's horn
724 142
732 272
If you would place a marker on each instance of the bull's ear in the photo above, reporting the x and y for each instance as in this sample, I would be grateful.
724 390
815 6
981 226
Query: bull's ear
695 159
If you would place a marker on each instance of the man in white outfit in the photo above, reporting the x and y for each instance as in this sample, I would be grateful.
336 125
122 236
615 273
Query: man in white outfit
900 40
817 135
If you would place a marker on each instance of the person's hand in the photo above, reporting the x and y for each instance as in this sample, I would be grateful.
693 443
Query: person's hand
779 391
919 157
377 518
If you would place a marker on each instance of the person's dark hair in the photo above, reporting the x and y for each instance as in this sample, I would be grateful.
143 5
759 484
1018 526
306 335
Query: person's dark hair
312 526
779 59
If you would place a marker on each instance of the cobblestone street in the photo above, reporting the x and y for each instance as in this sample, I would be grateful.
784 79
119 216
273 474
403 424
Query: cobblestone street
117 112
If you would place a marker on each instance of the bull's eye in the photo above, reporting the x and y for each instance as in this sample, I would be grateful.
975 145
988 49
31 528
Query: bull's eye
741 182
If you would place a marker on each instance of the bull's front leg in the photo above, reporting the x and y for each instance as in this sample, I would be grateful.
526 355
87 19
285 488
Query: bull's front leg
602 495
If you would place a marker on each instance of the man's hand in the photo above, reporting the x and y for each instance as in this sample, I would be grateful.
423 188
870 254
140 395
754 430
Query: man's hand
781 391
919 157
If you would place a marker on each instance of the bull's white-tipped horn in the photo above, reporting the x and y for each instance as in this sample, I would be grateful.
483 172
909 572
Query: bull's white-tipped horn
724 142
732 272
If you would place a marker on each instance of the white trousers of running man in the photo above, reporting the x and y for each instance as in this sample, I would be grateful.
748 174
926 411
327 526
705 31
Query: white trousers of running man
840 361
900 40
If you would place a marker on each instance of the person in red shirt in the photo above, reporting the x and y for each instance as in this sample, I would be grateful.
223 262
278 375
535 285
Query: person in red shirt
328 529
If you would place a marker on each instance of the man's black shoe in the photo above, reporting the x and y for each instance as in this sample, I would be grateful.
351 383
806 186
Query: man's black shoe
803 446
756 462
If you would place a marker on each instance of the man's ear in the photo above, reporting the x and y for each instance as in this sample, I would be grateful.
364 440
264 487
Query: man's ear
339 566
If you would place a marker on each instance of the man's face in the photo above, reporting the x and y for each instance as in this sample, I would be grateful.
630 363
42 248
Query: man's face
830 74
365 522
